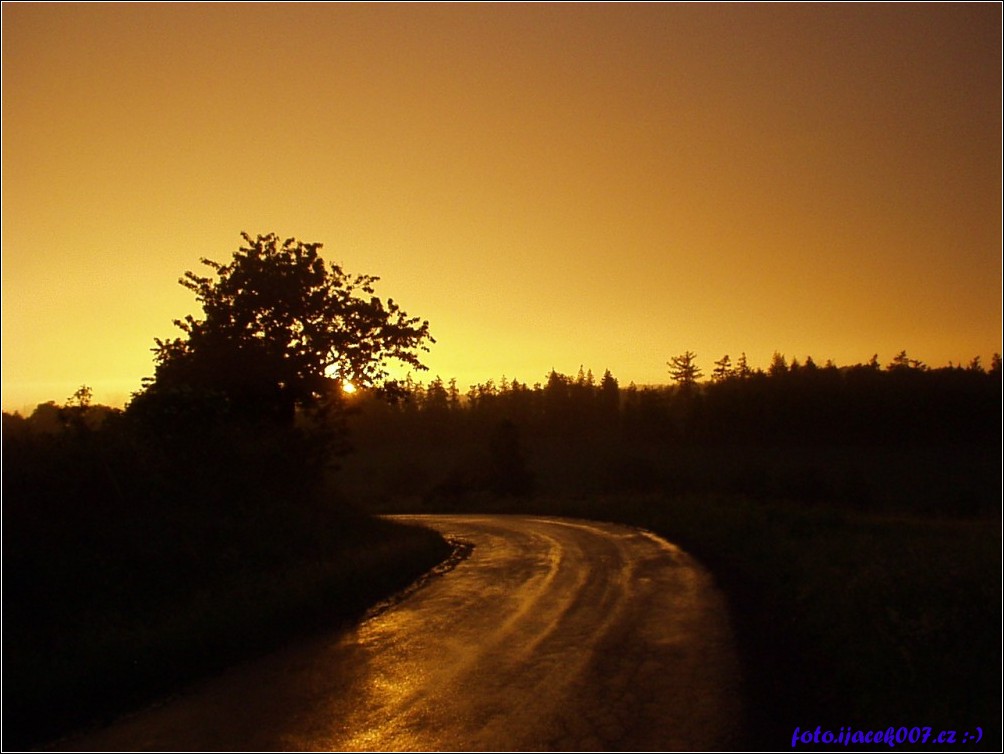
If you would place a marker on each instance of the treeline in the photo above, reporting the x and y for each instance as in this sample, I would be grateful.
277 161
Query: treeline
903 403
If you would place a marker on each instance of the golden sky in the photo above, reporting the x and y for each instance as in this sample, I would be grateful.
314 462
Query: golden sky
548 185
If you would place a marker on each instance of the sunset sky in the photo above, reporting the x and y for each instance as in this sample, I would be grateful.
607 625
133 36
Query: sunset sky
548 185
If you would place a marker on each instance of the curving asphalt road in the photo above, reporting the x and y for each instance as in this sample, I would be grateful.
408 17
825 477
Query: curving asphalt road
553 634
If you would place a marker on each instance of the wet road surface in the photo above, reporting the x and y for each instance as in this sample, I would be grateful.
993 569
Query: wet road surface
552 634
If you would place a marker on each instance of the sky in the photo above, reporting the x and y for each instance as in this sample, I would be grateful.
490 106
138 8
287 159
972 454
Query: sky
549 185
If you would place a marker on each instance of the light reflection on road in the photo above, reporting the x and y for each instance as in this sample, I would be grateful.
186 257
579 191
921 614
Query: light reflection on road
553 634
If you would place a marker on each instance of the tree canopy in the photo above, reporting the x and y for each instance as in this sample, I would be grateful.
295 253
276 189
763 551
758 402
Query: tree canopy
684 370
281 329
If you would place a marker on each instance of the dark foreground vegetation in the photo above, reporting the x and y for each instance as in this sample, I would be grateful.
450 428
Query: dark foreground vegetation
851 515
127 572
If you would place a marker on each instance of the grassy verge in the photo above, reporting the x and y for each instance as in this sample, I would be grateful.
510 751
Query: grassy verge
110 654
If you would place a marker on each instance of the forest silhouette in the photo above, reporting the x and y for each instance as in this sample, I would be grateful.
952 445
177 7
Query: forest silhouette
228 506
858 436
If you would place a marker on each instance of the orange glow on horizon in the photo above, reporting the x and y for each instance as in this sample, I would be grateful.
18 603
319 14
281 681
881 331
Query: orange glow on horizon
548 184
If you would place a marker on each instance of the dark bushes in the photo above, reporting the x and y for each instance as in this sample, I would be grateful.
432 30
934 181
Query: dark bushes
134 560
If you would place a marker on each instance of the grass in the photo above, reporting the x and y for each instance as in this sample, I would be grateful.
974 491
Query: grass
114 656
134 563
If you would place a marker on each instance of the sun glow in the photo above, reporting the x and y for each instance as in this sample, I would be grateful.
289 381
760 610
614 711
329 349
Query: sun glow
331 372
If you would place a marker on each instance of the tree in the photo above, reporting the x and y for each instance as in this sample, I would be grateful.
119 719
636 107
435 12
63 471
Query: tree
436 397
778 365
902 362
282 330
723 369
453 395
82 397
995 364
743 369
610 390
683 369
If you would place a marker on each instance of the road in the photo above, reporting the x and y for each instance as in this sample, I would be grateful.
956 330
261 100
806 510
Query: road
554 634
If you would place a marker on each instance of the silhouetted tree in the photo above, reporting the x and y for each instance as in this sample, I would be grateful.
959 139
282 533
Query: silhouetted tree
995 364
723 369
436 397
609 393
453 394
279 330
778 365
413 394
742 367
683 369
902 362
83 395
558 399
